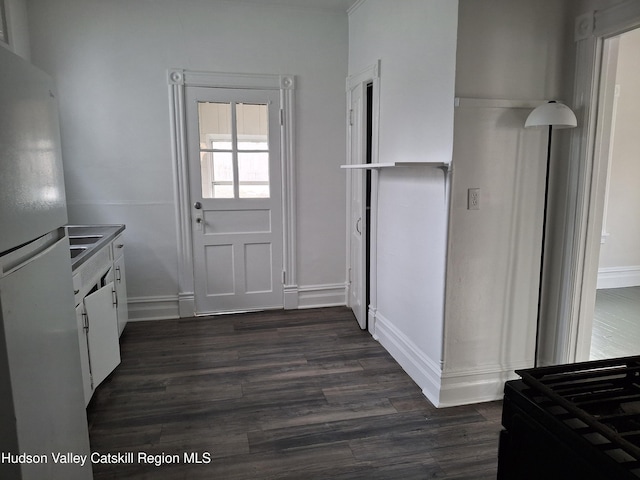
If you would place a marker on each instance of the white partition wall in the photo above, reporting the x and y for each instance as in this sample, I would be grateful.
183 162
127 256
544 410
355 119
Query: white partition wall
415 41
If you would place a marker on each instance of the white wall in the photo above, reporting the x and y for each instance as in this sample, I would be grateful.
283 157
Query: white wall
588 5
415 41
110 61
513 50
494 252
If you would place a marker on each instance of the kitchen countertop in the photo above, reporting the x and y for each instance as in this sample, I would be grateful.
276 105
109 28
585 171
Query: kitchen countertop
86 240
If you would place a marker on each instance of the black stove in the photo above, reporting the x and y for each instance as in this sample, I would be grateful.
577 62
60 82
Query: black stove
578 421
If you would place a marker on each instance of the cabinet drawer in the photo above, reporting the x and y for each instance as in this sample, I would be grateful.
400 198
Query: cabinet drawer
77 288
90 272
118 247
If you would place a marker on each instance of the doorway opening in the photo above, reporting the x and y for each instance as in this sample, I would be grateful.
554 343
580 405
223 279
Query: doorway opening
228 168
363 99
236 197
616 312
576 272
369 155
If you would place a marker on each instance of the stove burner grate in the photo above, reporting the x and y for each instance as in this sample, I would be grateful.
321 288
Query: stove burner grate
599 400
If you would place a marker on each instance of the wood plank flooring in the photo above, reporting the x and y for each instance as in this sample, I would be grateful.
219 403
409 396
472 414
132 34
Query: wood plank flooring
279 395
616 323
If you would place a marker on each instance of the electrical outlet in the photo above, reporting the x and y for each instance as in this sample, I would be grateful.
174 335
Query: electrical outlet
473 199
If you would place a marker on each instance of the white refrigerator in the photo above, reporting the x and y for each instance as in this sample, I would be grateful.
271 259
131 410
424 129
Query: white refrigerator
42 412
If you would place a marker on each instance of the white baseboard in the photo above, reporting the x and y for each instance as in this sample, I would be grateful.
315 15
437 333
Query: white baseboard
316 296
153 308
423 370
170 306
186 304
443 389
290 297
618 277
468 387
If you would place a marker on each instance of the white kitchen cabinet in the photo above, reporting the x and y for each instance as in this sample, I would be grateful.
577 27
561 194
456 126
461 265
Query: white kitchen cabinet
83 327
102 334
120 283
101 311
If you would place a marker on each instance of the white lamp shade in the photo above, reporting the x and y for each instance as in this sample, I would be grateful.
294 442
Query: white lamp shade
555 114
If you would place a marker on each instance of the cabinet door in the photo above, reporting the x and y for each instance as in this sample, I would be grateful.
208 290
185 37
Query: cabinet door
84 354
104 348
121 293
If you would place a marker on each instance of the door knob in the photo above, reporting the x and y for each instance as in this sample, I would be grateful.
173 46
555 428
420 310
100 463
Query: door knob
197 205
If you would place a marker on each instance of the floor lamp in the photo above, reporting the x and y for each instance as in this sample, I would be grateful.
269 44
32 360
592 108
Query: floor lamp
553 115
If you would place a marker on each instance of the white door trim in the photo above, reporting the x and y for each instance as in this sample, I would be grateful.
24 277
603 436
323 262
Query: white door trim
576 271
178 80
369 75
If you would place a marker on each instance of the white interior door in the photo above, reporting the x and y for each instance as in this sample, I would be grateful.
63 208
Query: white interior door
357 223
236 195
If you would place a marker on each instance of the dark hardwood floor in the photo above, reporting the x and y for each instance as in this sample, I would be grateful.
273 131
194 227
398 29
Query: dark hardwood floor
299 394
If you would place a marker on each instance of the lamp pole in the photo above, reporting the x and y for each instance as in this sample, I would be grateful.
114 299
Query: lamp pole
549 114
544 235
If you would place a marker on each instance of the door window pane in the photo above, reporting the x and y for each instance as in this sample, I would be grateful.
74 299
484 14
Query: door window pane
222 167
215 125
234 149
217 174
223 191
206 173
254 191
216 149
247 145
253 174
253 167
253 128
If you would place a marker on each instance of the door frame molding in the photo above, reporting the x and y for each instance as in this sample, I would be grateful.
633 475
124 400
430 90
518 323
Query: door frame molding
573 335
370 74
178 80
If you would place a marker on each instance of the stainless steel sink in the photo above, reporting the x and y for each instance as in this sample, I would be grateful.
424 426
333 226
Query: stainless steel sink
81 243
84 239
75 251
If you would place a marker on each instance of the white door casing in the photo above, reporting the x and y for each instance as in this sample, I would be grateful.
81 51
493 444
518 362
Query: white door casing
356 196
179 81
579 257
236 216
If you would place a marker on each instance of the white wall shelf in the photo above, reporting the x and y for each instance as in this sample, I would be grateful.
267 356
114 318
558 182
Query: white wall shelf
372 166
